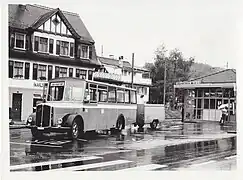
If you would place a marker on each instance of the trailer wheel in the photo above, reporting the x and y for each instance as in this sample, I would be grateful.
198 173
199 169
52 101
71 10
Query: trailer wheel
36 133
154 124
77 130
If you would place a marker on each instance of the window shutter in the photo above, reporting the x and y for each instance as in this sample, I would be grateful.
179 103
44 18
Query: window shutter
70 72
77 72
10 69
49 72
27 71
58 48
51 46
56 72
71 49
90 52
27 42
36 44
35 67
90 75
12 40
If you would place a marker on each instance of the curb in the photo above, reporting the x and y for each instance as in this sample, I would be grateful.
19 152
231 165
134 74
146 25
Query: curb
17 126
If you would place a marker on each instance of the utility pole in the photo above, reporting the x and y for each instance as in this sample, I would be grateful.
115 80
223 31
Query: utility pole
132 68
164 82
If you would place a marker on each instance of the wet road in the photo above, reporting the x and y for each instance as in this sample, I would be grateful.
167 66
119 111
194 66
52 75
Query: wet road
172 145
226 163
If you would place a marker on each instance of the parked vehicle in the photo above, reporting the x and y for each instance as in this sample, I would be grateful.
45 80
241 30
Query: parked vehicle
151 114
75 106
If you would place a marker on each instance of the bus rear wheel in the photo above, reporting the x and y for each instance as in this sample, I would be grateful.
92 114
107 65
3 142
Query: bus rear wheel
76 129
154 124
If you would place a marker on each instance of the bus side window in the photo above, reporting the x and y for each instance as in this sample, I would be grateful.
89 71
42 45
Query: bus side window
102 93
111 94
120 95
127 96
133 97
93 93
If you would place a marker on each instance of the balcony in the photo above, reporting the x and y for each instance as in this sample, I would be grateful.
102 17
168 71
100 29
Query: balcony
122 78
137 80
107 76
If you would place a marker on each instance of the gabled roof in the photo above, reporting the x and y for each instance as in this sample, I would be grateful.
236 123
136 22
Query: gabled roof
113 62
32 15
225 76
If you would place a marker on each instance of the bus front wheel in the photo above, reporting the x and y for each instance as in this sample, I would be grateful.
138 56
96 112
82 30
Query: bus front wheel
154 124
76 129
36 133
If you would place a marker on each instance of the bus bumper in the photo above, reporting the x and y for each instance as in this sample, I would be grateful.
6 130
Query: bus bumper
49 129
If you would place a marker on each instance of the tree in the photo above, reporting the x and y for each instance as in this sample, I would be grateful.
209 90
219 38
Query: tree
177 69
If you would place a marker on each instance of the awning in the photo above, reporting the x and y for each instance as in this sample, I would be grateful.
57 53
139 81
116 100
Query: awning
193 86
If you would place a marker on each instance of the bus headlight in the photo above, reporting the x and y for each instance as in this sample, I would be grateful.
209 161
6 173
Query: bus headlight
29 119
59 121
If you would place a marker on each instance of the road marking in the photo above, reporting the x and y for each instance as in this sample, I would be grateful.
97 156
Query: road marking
113 152
148 167
34 144
230 157
204 163
86 158
95 165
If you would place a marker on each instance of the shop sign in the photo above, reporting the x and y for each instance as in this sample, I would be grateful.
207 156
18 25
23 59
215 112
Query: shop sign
110 76
57 84
38 84
188 82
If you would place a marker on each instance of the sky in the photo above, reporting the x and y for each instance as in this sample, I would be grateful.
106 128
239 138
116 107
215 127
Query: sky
207 30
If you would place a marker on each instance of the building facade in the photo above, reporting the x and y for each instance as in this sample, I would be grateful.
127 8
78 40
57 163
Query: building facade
120 72
44 43
203 96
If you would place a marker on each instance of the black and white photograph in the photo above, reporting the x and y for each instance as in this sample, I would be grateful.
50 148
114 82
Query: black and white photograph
125 86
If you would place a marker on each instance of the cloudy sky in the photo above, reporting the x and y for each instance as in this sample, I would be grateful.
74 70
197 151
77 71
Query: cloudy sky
205 29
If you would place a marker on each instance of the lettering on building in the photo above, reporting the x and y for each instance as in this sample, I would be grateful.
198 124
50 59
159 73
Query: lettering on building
110 76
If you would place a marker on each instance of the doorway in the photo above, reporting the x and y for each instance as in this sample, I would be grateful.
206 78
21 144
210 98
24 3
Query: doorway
16 106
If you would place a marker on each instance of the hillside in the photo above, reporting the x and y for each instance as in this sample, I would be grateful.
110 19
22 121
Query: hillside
200 69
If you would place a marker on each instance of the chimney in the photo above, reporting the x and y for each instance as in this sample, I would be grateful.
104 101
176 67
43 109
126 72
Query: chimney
121 61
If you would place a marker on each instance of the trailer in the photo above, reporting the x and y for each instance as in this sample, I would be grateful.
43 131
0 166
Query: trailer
151 114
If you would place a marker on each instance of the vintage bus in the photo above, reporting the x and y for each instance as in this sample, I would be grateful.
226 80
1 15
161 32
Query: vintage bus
75 106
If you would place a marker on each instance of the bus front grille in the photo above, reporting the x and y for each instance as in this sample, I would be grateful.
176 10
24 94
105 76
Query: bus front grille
43 116
46 116
38 115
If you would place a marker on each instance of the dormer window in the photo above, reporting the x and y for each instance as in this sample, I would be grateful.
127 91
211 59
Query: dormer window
19 41
84 52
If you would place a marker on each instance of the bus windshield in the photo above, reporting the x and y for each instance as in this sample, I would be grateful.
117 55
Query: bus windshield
55 92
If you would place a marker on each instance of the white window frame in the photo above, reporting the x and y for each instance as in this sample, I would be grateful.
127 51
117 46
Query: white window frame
23 69
68 51
81 55
46 73
62 73
47 52
15 39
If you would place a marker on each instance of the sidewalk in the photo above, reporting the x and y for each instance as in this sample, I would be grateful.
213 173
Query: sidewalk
17 125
